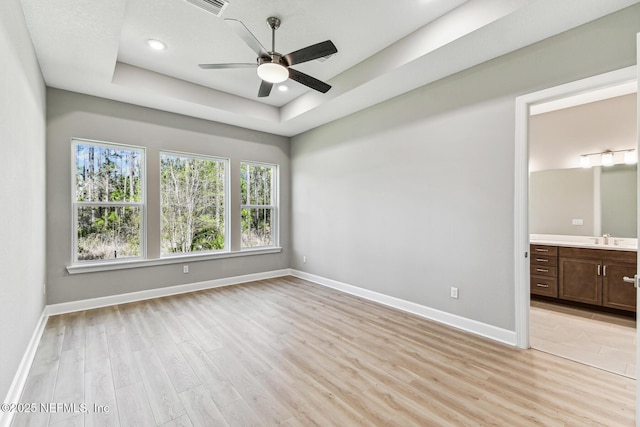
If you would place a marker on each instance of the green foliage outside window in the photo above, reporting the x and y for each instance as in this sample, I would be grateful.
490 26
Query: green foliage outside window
193 204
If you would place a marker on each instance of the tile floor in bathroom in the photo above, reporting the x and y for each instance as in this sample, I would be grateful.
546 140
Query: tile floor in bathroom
606 341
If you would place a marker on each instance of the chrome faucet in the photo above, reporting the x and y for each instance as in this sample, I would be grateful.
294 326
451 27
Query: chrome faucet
606 238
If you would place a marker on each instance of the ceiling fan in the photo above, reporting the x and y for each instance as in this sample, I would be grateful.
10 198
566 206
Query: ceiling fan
273 67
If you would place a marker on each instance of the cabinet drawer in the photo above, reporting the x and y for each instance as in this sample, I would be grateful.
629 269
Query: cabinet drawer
547 286
542 270
543 250
549 261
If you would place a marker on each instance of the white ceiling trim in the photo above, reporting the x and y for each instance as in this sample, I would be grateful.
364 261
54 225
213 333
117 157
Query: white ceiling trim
585 98
469 35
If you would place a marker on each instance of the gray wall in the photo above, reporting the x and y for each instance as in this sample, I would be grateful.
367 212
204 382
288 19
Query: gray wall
22 185
556 197
74 115
415 195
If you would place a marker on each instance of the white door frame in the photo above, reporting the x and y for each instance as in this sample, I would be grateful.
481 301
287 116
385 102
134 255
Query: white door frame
521 182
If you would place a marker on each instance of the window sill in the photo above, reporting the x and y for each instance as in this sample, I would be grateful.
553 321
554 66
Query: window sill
177 259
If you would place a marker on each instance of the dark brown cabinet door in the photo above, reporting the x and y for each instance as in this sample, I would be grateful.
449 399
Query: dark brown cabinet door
580 281
616 293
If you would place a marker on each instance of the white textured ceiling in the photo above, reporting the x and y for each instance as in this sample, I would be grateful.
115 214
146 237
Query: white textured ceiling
384 49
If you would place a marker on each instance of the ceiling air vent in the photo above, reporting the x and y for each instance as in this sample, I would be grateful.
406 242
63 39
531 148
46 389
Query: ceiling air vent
212 6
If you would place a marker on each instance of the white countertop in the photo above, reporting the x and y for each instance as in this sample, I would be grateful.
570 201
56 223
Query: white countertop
615 243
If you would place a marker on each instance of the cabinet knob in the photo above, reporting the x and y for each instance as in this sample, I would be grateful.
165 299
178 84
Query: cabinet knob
542 285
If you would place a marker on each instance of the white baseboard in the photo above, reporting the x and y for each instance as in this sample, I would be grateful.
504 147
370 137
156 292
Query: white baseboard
20 378
478 328
87 304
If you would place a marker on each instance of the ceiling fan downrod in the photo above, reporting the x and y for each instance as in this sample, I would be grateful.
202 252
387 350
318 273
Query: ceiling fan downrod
274 24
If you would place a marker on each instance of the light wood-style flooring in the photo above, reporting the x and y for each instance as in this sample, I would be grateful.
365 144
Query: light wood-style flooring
285 351
606 341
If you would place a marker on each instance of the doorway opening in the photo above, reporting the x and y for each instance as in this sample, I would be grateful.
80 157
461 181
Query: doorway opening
549 100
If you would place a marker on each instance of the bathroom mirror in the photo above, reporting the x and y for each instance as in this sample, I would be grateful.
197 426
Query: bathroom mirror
584 201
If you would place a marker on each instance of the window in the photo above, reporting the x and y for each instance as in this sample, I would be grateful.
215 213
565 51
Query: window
108 202
258 186
194 203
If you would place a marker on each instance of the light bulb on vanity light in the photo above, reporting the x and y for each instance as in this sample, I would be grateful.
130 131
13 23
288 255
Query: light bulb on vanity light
585 162
607 158
630 157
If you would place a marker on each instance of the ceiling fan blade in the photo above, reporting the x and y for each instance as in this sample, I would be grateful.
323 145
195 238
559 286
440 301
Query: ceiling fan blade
247 37
309 81
310 53
225 66
265 89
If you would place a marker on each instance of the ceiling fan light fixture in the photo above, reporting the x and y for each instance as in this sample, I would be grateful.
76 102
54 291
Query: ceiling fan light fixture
273 72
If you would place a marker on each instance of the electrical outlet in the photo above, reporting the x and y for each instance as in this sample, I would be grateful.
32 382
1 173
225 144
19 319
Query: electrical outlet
44 289
304 259
185 269
454 292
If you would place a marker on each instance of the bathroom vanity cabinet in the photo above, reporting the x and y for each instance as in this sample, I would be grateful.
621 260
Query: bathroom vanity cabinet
588 276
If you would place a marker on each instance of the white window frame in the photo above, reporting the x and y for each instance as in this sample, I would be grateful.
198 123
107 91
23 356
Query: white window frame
75 204
275 203
227 197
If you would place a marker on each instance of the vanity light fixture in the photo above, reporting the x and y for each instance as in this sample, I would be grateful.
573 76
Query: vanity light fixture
608 158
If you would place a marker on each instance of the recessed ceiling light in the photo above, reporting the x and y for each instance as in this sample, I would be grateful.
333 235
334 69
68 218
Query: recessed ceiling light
156 44
283 88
